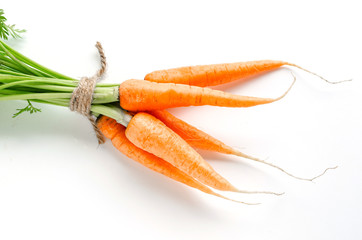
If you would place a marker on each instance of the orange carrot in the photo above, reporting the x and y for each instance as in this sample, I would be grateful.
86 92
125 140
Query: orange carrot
193 136
216 74
199 139
116 132
150 134
140 95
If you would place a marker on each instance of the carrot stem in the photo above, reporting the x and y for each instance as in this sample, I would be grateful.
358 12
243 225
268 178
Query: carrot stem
34 64
98 98
21 64
114 112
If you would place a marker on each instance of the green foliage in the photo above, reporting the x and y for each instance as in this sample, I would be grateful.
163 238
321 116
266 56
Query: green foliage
8 30
24 79
30 108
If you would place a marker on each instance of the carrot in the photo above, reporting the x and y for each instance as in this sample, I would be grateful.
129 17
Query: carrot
116 132
140 95
193 136
150 134
216 74
199 139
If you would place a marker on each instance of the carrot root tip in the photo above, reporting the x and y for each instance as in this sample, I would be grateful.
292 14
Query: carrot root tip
320 175
240 154
326 80
233 200
247 203
261 192
288 90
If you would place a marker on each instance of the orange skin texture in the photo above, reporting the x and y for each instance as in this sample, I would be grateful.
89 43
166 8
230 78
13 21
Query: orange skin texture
150 134
193 136
116 132
140 95
215 74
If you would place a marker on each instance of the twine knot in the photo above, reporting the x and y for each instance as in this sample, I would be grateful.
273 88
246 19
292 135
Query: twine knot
82 97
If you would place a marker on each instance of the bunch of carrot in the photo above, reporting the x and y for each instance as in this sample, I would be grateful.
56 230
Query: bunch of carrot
164 143
132 114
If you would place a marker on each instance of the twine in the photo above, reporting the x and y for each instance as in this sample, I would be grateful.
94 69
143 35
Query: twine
82 97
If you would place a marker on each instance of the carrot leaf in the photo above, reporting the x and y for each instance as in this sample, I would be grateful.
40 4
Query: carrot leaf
8 30
29 108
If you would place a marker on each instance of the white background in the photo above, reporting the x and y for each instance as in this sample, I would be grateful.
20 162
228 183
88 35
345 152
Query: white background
57 183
